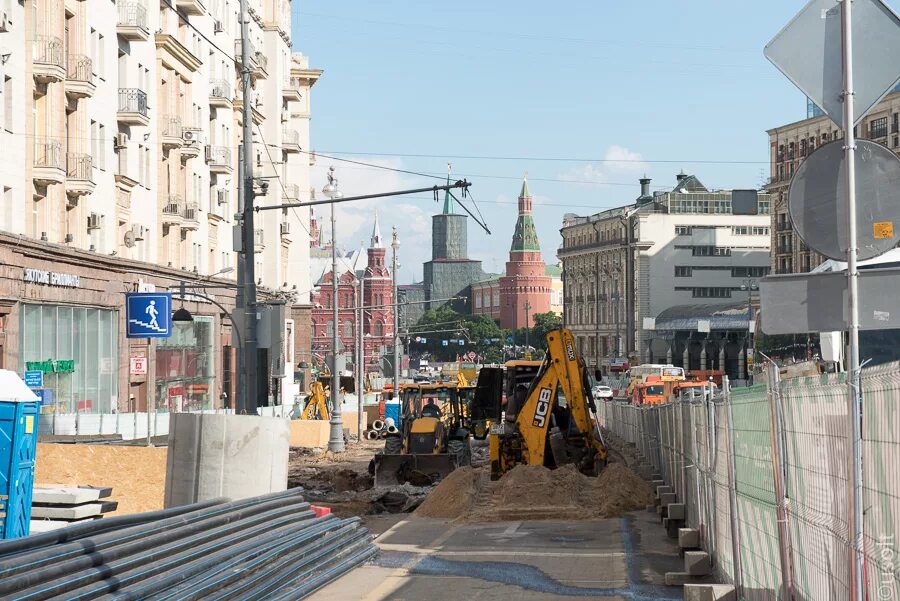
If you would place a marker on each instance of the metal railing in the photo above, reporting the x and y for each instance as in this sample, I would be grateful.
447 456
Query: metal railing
79 166
174 205
172 126
132 14
48 50
81 68
292 191
48 153
290 136
220 88
133 100
262 60
218 155
189 211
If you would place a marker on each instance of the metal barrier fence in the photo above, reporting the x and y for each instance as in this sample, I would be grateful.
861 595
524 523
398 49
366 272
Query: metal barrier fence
763 474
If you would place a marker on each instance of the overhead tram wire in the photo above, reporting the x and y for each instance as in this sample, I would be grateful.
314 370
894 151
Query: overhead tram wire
280 181
546 159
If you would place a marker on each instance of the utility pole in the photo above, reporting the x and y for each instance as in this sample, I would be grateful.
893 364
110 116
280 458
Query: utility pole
395 246
247 275
336 435
361 358
854 392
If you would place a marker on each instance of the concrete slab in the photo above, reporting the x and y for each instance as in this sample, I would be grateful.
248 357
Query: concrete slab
676 511
662 490
709 592
64 495
688 538
73 512
668 498
697 563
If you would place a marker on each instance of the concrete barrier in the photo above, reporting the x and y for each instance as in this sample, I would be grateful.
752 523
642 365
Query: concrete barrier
234 456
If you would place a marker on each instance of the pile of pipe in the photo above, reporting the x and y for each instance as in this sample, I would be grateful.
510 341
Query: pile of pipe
381 428
271 547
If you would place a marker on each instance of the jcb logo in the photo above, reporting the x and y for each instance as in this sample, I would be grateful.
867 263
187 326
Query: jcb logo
542 408
570 350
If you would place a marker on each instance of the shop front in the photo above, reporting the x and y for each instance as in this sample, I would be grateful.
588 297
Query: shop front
185 367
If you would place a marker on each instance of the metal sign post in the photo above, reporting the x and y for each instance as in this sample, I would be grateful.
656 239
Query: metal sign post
854 393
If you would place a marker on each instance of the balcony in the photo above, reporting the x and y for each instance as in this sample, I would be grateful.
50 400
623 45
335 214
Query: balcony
220 93
173 210
48 59
171 132
291 90
132 22
171 49
48 162
290 140
312 158
192 142
219 159
79 174
80 77
190 213
292 192
133 107
259 62
191 7
259 240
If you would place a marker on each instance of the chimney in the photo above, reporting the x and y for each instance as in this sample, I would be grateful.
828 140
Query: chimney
645 186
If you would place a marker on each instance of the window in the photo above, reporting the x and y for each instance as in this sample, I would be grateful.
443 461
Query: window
878 128
101 46
683 230
712 292
749 272
348 329
710 251
478 300
7 104
740 230
378 329
682 271
95 140
102 145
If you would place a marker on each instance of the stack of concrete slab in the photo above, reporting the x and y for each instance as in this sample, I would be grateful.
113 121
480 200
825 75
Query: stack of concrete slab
56 506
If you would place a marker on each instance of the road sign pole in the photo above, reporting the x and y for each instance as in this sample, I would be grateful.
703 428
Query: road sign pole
854 397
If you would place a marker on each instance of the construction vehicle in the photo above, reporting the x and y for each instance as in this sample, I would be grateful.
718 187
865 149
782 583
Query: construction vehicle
548 422
316 404
433 436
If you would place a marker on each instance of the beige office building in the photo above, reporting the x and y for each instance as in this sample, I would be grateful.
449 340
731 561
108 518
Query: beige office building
121 129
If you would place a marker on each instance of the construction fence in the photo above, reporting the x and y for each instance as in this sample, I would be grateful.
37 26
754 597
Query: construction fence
763 472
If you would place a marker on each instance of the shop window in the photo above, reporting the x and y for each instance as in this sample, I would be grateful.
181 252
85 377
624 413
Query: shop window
185 367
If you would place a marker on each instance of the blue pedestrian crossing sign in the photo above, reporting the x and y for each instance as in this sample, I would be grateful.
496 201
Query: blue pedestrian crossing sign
148 315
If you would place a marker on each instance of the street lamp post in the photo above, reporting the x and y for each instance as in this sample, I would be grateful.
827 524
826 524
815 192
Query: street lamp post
749 285
395 246
336 435
527 322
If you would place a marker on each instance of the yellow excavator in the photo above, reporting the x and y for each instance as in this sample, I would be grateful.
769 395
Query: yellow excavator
316 404
548 421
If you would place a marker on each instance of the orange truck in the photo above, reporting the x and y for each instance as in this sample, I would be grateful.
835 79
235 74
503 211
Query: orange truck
657 391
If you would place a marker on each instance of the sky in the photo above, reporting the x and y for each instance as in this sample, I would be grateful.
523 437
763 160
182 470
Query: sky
585 96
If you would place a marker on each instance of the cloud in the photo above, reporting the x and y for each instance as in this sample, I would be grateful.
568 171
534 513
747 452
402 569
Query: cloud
618 162
410 214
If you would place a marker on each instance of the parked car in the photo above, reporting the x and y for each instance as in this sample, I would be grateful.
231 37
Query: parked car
602 393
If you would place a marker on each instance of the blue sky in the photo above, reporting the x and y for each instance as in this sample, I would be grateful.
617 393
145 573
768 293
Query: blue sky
659 86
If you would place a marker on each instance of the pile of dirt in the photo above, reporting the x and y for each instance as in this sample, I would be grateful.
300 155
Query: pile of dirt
535 492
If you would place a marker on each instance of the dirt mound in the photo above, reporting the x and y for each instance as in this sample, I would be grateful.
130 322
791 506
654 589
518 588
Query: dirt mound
535 492
453 497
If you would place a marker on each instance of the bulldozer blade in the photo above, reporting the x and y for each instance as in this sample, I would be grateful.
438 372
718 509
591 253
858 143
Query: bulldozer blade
417 469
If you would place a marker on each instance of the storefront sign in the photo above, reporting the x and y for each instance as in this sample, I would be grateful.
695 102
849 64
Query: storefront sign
50 366
138 365
34 379
51 278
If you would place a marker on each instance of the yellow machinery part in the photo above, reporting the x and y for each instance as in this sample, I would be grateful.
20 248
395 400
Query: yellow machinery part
316 405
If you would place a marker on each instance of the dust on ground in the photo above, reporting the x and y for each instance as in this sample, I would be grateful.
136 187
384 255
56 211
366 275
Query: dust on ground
535 492
137 475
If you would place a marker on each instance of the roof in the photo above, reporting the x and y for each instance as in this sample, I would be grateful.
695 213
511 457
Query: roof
355 261
690 183
525 193
889 259
448 201
554 271
721 316
376 241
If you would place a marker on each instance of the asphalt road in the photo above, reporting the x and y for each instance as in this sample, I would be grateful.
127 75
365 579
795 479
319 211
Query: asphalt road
421 558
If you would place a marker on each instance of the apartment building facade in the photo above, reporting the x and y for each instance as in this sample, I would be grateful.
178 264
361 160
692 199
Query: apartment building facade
122 124
628 269
789 145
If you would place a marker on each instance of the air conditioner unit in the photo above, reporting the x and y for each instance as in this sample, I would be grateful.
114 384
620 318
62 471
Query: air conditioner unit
137 231
5 25
189 136
93 221
120 141
221 196
218 26
285 229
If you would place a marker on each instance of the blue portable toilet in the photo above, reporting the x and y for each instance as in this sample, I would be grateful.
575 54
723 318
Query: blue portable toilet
19 410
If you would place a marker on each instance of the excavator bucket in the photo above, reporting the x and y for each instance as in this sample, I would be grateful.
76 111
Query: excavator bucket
419 469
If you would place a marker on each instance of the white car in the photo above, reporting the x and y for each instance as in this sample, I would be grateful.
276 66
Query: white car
602 393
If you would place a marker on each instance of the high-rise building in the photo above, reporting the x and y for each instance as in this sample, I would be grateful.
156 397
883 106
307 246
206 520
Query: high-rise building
450 273
121 124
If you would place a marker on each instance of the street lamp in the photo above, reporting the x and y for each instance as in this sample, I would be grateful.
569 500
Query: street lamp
336 435
395 246
748 286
